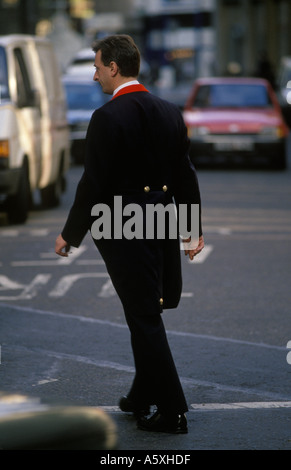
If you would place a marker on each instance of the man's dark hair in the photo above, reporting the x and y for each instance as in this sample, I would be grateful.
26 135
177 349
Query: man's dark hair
121 49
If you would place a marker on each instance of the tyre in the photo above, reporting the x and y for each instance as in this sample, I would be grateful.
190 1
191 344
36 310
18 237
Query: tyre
51 195
279 162
19 204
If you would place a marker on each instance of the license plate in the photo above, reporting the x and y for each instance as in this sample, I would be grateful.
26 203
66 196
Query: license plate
234 144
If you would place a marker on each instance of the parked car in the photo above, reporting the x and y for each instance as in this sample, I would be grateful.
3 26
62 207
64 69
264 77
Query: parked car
83 97
83 61
34 133
235 117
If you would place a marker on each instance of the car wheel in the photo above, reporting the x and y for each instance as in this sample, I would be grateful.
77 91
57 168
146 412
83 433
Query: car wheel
279 162
19 204
51 195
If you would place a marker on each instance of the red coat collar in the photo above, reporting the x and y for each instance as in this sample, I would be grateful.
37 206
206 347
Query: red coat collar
129 89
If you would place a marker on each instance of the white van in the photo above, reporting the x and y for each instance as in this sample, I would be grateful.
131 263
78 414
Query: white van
34 133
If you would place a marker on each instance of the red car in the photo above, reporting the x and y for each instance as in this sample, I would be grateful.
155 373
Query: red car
231 118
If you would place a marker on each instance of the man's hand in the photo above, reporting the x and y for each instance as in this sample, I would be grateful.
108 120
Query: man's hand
195 250
62 248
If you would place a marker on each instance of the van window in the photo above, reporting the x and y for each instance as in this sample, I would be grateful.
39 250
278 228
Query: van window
4 90
24 91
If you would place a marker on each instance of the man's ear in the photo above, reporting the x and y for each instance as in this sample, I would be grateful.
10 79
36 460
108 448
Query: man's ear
114 69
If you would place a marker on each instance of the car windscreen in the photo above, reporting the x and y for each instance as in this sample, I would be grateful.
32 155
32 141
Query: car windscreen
83 96
232 95
4 90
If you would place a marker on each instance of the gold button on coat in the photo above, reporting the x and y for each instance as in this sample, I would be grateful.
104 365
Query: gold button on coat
161 301
146 189
165 188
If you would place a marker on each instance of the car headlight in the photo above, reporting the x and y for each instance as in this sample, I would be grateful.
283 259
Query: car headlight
272 131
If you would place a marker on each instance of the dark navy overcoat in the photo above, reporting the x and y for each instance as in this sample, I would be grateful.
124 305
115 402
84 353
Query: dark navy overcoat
137 148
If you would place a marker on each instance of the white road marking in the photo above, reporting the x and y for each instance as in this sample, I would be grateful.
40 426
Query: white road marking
269 400
9 233
90 262
85 360
62 287
31 290
36 232
110 409
258 405
107 290
28 264
66 282
28 291
6 283
218 230
59 261
39 232
266 395
130 369
80 318
46 381
240 406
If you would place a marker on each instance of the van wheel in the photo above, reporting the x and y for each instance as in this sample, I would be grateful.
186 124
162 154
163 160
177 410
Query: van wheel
51 195
19 204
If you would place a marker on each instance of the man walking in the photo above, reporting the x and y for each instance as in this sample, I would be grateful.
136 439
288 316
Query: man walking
137 148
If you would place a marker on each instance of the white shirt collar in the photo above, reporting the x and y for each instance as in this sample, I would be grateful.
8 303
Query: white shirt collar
132 82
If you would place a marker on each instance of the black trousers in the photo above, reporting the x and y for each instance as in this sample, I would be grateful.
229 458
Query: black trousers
134 268
156 380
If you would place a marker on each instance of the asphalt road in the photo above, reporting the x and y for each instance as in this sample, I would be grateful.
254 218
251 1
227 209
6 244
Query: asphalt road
64 340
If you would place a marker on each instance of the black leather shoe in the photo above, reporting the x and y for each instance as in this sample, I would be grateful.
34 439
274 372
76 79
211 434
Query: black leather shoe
128 406
161 423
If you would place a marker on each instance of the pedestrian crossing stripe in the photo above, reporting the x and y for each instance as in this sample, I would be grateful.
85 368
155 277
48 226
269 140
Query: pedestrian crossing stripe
240 406
261 405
